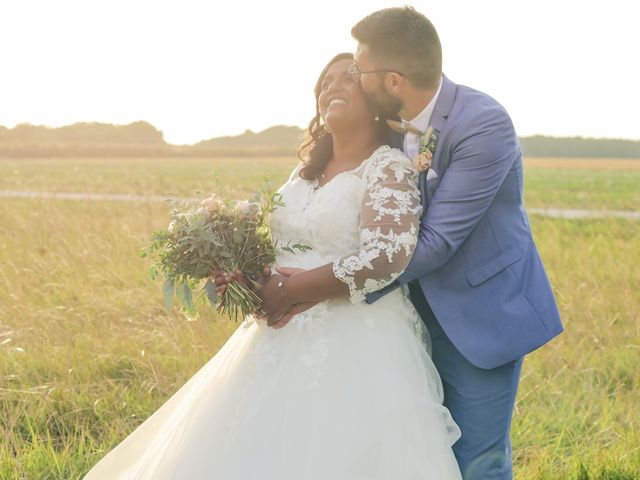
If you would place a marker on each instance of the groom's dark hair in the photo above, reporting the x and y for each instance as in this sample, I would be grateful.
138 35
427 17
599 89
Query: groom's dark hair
403 39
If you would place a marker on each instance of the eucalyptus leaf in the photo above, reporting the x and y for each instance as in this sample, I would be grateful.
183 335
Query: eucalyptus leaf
184 294
167 291
210 288
188 297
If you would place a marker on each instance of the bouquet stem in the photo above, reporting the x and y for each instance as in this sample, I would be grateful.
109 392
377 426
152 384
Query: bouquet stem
238 299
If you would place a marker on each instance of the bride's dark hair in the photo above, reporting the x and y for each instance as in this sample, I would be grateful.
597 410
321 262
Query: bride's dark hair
316 148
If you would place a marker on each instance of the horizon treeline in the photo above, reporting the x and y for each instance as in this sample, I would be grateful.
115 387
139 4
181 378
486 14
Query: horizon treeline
141 139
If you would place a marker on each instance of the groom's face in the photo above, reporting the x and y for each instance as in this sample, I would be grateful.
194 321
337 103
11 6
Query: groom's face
373 84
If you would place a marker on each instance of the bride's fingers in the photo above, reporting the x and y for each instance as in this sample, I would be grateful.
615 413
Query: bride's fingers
223 280
260 314
283 321
240 277
216 272
293 311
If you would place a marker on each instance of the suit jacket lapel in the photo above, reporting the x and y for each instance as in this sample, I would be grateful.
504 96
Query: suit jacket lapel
438 122
441 114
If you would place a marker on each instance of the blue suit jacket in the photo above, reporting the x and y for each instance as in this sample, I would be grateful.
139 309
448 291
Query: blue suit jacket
476 261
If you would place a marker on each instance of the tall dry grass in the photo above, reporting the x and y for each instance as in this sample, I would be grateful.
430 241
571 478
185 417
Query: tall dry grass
87 352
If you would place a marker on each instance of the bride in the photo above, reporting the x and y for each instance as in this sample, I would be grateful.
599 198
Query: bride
345 390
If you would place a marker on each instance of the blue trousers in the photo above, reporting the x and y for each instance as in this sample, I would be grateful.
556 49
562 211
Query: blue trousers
481 402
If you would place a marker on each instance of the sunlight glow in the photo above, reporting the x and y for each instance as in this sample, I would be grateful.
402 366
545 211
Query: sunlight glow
199 69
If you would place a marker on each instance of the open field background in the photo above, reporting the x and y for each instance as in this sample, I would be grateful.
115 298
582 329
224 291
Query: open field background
604 183
87 351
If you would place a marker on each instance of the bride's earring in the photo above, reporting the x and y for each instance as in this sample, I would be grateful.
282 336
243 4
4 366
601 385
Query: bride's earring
376 118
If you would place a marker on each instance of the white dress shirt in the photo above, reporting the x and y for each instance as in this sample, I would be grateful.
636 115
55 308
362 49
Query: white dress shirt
421 121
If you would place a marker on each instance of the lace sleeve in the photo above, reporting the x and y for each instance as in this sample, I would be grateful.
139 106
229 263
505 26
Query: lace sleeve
389 222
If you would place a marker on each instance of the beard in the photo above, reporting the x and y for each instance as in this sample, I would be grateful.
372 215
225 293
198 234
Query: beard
384 104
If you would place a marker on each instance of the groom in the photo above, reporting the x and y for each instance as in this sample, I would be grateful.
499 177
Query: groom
476 276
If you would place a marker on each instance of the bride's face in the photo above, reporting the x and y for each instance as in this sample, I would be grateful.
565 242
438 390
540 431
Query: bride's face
341 100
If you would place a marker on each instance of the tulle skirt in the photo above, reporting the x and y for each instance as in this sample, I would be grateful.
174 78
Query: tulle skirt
343 392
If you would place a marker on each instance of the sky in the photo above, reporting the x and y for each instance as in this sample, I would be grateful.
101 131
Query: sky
199 69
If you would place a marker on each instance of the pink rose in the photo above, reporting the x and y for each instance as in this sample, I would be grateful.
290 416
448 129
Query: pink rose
211 204
422 161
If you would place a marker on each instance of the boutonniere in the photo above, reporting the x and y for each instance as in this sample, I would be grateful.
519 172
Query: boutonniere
427 144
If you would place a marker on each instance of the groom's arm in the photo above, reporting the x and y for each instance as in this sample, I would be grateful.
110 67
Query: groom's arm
479 164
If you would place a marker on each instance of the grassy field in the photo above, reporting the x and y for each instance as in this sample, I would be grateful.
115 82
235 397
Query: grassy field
564 183
87 351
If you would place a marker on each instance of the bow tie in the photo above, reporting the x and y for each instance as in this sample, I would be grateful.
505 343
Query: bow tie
404 127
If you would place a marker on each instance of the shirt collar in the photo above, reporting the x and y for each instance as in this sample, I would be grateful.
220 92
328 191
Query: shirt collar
421 121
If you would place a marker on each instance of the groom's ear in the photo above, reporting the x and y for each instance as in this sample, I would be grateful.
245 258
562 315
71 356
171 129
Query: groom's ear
393 82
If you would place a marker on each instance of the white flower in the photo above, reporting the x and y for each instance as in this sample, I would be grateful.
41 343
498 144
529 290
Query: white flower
243 206
248 209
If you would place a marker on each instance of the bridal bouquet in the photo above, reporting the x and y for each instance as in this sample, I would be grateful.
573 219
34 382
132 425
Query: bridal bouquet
224 234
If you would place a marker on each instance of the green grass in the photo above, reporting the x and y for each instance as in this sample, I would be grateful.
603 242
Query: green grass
581 186
577 404
161 176
87 351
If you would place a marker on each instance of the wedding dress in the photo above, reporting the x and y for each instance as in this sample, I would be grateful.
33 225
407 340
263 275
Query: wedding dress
346 390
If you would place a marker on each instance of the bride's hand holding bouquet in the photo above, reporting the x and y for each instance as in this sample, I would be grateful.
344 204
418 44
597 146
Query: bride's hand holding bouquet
215 237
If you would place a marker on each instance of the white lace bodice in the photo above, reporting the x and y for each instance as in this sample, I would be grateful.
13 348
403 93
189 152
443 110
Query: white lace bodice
363 221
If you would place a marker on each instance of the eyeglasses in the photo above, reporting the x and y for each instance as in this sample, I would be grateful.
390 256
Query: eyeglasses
356 73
